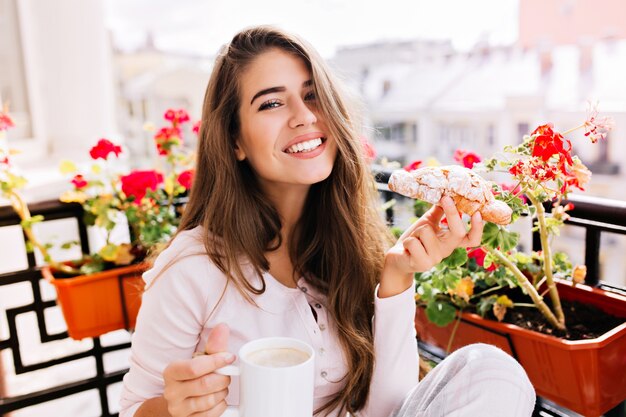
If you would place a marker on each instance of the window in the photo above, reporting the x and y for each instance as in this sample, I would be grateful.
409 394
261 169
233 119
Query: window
522 129
13 88
392 132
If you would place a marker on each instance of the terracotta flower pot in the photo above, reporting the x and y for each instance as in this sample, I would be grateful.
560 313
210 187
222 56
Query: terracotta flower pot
95 304
586 376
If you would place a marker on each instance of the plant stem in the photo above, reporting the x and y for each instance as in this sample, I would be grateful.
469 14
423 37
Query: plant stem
456 326
573 129
547 260
480 294
530 289
21 208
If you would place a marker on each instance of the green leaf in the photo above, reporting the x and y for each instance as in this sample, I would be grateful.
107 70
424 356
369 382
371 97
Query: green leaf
485 304
95 265
26 224
420 207
440 313
457 258
495 236
68 245
396 231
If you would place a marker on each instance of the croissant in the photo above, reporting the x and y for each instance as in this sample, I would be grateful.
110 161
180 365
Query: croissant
469 191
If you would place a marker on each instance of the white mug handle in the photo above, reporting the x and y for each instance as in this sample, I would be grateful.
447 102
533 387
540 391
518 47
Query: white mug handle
229 370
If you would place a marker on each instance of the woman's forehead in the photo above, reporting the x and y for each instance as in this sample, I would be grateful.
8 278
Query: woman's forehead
274 68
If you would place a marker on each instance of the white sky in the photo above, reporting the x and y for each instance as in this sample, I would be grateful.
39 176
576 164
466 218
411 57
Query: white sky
201 26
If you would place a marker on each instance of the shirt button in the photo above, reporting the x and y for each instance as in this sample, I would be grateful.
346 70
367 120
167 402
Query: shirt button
318 305
322 351
324 374
322 326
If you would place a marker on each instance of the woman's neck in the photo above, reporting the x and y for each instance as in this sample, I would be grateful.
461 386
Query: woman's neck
289 203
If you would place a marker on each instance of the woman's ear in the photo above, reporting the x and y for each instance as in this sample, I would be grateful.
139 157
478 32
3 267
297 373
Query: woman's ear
239 153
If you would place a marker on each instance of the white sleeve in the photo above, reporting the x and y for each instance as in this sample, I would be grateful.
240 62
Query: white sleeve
396 370
169 324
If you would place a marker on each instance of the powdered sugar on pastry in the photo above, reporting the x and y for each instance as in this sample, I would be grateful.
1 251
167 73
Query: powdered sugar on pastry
469 190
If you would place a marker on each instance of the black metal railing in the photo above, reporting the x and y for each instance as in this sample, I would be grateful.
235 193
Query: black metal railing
51 210
596 215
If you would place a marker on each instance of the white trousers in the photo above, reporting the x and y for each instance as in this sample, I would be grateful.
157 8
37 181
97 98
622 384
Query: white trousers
475 381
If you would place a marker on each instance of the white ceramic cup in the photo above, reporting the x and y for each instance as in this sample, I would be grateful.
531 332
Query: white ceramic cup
265 391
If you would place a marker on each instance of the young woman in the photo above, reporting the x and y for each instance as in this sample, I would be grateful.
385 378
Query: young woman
282 237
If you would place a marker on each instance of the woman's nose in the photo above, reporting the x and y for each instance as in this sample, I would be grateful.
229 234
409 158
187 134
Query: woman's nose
302 114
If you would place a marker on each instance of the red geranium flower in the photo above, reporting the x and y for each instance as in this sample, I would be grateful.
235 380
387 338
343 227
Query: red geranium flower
466 158
5 121
548 143
413 165
176 116
79 182
479 256
138 182
368 150
166 138
185 178
103 148
196 127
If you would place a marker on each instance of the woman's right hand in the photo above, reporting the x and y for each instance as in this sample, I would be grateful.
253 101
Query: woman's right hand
192 388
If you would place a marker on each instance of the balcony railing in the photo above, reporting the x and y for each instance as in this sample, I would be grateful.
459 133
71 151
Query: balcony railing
596 215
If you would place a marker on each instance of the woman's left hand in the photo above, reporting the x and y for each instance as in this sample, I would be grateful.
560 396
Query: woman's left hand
425 243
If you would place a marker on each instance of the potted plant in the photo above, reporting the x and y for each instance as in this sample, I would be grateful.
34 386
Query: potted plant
529 303
101 291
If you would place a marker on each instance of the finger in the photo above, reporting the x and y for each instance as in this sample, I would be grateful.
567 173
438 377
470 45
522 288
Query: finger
414 248
195 368
433 216
204 385
218 339
430 242
203 403
216 411
455 224
476 230
418 260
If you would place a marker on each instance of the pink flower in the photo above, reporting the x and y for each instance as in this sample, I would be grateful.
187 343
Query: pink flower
185 178
368 150
5 121
466 158
196 127
137 183
597 128
513 190
176 116
103 148
413 165
79 182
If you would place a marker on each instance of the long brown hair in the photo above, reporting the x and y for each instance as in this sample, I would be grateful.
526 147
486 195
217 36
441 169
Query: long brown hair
339 242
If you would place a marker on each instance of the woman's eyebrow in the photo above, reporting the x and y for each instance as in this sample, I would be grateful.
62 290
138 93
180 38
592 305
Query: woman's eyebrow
281 89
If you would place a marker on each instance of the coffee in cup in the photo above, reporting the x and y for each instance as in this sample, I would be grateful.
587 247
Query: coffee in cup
278 357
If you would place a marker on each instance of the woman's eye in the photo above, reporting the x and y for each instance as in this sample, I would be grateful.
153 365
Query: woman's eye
310 96
270 104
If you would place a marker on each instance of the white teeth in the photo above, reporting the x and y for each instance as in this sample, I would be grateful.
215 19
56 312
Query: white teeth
309 145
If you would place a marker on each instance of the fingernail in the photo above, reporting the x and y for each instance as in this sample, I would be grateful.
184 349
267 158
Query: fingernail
228 357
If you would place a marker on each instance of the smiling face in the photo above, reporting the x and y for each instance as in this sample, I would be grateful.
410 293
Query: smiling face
282 134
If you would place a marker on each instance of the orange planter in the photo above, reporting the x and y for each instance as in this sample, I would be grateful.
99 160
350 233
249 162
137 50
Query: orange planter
586 376
94 304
